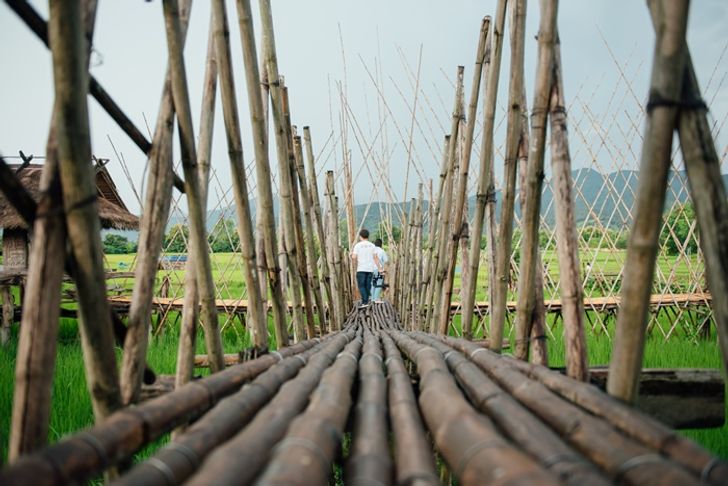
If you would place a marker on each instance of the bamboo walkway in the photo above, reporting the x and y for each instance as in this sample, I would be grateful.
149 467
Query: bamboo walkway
329 409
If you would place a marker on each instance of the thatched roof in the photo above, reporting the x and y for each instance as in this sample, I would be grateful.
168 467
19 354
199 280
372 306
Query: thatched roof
112 210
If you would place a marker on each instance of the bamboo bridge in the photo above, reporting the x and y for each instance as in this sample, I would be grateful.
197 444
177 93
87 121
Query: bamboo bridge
284 418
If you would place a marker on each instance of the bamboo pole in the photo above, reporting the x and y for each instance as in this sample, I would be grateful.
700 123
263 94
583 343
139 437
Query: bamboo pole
505 230
70 70
237 168
308 208
36 355
301 258
318 220
198 236
531 216
708 195
155 213
666 84
264 205
284 172
572 293
417 257
537 322
434 236
462 189
408 266
334 255
446 213
190 307
486 187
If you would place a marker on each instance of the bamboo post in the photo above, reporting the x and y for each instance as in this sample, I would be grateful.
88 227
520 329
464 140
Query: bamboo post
317 217
157 201
415 282
190 307
6 295
706 191
307 203
284 172
237 168
534 179
537 322
572 293
70 69
407 269
486 187
434 236
462 190
446 211
36 355
665 88
334 258
264 205
297 223
198 236
513 133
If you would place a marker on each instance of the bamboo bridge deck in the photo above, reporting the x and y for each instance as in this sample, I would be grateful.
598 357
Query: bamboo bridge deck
366 405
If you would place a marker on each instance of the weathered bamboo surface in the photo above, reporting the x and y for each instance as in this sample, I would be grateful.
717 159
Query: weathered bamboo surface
374 404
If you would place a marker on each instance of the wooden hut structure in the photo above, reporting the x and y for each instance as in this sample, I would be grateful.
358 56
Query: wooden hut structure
113 213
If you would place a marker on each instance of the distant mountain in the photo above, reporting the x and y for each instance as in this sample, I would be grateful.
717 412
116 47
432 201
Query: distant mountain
607 198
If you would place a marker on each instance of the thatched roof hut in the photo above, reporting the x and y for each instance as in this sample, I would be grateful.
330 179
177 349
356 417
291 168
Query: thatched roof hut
112 211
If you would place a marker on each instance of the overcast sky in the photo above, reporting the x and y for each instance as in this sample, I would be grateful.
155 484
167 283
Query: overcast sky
606 47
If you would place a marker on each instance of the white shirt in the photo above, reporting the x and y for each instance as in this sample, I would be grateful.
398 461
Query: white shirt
382 255
364 253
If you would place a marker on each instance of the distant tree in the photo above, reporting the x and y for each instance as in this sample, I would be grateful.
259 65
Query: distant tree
675 235
224 237
175 241
117 244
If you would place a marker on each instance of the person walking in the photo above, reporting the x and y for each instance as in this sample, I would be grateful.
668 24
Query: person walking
378 277
367 262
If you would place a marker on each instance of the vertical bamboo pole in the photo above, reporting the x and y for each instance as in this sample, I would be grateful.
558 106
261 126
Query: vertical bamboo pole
157 201
408 267
534 179
317 216
284 173
198 236
539 353
709 199
513 133
446 212
706 191
462 190
237 169
434 236
426 258
418 256
308 207
36 355
190 309
334 259
68 46
666 84
262 169
301 257
486 187
572 293
350 217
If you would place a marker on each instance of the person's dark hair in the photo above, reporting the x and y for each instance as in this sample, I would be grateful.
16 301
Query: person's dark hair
364 233
378 242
